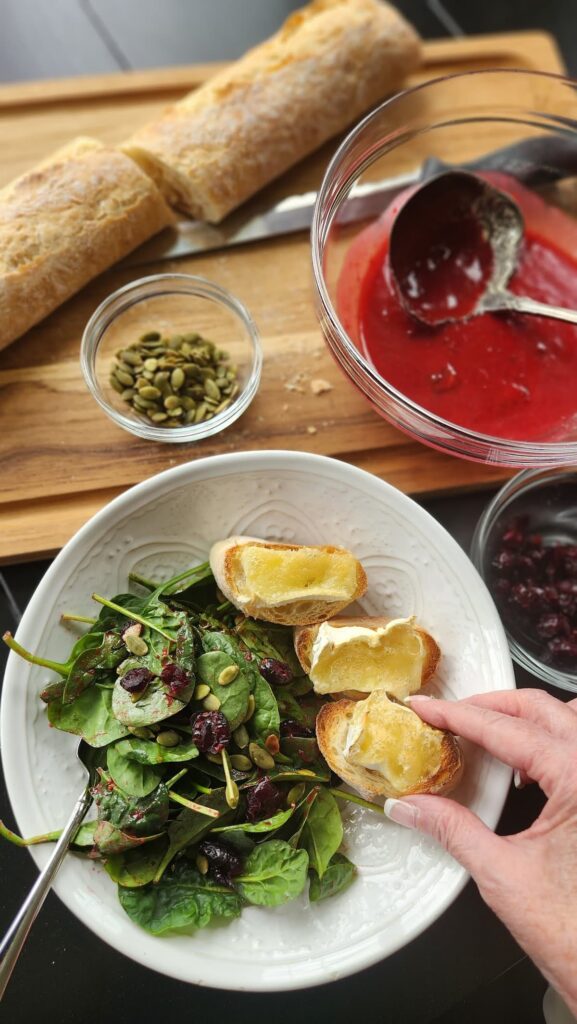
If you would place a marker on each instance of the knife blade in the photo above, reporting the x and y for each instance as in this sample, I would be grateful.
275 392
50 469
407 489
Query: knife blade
534 161
290 215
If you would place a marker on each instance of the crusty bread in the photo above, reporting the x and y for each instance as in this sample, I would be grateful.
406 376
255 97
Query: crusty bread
403 738
226 561
329 63
64 222
343 683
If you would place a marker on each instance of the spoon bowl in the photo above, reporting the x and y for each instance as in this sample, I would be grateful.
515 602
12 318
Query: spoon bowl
454 246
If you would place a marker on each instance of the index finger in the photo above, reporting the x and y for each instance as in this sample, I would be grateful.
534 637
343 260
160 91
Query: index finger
557 717
515 741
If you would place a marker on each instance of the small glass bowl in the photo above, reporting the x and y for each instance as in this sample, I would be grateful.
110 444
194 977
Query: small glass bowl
548 497
468 120
171 304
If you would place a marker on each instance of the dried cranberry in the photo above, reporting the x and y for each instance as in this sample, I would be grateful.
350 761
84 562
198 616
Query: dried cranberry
224 862
277 673
551 625
263 800
210 731
176 678
563 648
505 561
136 680
290 727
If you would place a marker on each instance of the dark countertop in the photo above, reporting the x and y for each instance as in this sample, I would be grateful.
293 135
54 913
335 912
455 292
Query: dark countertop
466 967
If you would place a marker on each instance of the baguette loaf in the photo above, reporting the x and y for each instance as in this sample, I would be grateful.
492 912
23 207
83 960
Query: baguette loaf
290 584
64 222
374 653
329 63
382 748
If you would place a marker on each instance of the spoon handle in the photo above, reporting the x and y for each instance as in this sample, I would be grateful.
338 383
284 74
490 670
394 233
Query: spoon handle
15 937
523 304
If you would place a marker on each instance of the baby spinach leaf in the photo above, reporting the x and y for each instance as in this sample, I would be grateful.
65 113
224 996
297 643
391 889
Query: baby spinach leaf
323 831
234 697
273 873
182 899
268 825
136 779
137 866
110 839
141 816
302 750
270 641
185 646
190 826
305 809
85 836
105 654
266 719
90 716
337 877
154 705
147 752
53 691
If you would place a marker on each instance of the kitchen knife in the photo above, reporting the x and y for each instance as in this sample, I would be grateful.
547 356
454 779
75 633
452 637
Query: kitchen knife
538 161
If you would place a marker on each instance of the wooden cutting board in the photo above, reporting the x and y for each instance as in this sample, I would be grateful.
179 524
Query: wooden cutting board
61 458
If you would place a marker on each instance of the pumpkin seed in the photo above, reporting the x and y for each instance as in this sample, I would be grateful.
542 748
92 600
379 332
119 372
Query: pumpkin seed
212 389
127 394
211 703
295 794
151 364
201 691
201 412
150 336
136 645
172 402
241 763
251 708
149 391
168 738
116 384
227 675
177 378
214 758
158 417
192 337
131 357
241 737
124 377
202 863
141 732
260 757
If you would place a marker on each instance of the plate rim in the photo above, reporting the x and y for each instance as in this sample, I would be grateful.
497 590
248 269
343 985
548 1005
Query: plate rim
222 465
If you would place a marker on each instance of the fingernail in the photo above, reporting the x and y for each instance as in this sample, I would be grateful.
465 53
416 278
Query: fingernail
401 812
517 780
419 696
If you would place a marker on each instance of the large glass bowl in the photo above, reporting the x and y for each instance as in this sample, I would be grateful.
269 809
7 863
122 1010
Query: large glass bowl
457 120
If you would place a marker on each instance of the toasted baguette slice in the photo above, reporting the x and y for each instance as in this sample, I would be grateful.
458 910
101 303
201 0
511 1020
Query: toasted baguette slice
374 653
290 584
382 748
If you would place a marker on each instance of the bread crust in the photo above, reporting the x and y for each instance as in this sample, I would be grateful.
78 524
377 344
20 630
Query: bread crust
332 726
64 222
304 638
330 62
302 612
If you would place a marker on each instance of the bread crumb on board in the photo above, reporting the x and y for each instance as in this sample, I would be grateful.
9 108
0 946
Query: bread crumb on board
318 386
311 429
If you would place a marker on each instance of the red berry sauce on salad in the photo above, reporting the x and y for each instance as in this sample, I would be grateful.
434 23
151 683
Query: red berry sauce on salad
501 374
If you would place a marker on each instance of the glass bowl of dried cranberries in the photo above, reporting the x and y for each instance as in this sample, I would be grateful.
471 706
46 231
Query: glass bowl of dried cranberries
525 547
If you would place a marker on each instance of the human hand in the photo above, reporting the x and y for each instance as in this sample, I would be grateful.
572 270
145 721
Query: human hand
528 879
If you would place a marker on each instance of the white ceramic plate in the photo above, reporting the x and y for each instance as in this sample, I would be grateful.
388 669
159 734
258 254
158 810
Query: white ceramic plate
413 566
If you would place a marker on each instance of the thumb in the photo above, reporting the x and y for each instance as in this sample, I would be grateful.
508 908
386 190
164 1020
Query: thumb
456 828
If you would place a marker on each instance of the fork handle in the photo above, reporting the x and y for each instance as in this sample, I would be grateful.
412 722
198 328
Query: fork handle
15 937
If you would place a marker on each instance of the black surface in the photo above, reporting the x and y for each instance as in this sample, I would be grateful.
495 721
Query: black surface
466 969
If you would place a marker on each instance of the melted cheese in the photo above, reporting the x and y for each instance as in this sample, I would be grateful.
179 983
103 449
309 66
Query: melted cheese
274 576
388 658
392 740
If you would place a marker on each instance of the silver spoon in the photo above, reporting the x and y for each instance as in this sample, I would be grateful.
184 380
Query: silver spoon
14 939
453 248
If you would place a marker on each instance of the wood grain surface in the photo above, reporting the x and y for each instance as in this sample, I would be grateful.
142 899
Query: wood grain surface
62 459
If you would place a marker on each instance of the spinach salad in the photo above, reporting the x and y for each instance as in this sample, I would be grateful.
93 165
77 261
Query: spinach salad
210 792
